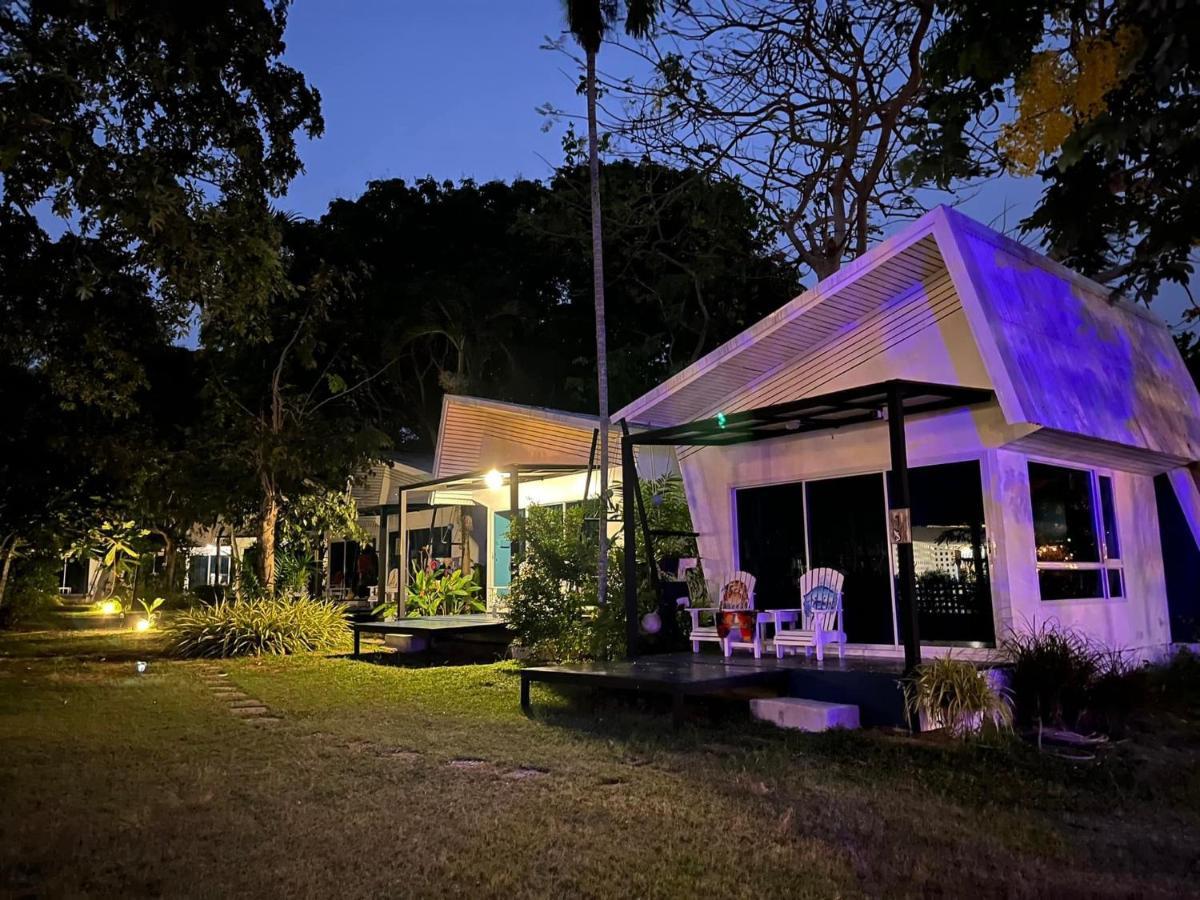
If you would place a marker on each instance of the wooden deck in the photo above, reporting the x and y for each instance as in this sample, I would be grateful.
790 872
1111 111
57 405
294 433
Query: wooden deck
432 627
871 684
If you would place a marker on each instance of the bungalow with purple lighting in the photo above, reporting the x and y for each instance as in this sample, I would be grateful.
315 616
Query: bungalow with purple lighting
976 437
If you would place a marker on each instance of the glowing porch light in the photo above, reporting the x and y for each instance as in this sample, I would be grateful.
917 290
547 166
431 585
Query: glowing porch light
142 625
110 607
493 479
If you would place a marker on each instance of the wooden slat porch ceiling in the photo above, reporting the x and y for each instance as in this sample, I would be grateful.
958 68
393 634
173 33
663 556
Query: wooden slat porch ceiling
792 332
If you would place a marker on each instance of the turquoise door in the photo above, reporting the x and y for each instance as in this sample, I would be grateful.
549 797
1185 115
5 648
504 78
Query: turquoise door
501 552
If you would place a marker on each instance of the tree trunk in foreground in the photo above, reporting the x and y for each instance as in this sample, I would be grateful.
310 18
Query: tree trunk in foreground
601 339
268 519
10 550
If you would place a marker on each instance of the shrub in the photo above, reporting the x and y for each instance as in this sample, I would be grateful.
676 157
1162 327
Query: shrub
32 591
552 604
955 694
255 627
1177 684
293 571
1053 668
443 593
1119 687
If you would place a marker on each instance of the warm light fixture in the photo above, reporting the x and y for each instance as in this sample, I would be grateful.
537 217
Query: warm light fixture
493 479
110 607
142 625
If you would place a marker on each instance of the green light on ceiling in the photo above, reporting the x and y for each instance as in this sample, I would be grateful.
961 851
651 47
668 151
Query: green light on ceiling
720 420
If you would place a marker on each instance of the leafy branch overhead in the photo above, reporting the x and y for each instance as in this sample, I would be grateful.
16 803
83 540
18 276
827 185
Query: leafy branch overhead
808 106
1102 100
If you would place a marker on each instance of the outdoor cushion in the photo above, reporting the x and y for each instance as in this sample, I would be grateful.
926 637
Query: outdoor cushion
740 625
735 596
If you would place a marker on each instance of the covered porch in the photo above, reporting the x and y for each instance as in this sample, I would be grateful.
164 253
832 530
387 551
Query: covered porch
463 522
862 525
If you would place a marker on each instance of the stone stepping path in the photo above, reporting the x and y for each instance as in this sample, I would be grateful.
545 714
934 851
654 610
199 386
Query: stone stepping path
473 764
241 705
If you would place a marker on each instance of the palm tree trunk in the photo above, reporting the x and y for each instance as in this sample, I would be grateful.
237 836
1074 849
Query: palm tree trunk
601 341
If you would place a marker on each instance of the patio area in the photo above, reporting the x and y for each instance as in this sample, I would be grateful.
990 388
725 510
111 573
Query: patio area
871 684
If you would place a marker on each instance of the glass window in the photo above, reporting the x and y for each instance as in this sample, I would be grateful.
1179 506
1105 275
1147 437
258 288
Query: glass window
1064 519
1069 584
1116 585
1075 533
1109 517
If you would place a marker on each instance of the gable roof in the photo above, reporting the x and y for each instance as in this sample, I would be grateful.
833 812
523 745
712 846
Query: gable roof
380 482
476 434
1058 351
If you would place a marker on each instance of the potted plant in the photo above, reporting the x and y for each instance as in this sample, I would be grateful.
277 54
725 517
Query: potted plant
956 695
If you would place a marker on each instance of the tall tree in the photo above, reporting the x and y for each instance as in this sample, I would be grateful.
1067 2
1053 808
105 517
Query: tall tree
1102 99
154 135
293 400
589 21
809 105
487 289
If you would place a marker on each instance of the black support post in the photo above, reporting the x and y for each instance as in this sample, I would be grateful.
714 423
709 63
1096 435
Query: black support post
587 481
382 552
629 514
900 517
514 502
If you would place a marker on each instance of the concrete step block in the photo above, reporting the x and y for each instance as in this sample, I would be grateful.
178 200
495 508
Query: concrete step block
804 715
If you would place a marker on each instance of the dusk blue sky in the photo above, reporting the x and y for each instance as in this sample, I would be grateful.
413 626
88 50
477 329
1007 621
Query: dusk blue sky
451 89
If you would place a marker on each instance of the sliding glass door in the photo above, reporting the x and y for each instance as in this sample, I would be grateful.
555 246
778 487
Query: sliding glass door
785 529
847 531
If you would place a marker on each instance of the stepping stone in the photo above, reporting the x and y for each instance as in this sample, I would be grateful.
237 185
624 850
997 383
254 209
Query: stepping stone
246 703
249 711
233 695
468 763
398 754
804 715
266 719
523 772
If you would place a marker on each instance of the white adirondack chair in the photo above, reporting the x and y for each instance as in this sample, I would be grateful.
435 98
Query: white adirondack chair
728 643
819 620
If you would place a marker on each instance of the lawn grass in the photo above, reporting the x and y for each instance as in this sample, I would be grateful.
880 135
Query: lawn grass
384 779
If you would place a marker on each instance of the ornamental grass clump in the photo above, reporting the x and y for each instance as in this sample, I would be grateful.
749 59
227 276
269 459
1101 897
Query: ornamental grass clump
264 626
1052 670
956 695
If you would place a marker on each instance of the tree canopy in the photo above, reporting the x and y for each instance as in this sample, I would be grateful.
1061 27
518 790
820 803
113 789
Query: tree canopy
486 288
1103 101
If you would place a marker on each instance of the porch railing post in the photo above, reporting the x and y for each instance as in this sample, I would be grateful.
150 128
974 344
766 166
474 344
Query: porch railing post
629 514
900 518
